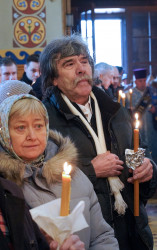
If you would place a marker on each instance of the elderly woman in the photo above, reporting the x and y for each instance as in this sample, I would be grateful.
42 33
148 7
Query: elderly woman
33 157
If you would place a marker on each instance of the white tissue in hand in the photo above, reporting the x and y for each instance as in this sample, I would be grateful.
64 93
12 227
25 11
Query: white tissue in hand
59 227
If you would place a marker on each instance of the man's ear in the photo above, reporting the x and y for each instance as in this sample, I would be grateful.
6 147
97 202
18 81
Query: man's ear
101 77
25 67
55 83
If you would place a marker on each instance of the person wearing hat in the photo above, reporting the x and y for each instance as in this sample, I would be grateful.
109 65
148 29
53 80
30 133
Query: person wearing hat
138 90
140 103
140 76
137 93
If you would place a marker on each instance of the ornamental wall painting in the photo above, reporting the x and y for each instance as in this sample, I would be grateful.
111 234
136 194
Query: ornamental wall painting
29 19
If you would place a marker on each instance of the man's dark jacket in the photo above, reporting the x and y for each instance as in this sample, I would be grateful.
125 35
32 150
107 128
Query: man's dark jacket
24 233
118 134
26 79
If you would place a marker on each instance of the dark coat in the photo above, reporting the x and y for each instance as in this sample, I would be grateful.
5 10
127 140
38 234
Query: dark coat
26 79
118 134
37 88
24 233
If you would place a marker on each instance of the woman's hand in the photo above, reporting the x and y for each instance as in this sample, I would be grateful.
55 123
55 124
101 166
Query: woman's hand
72 243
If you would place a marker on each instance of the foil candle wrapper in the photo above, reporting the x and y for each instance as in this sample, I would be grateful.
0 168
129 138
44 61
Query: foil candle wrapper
134 159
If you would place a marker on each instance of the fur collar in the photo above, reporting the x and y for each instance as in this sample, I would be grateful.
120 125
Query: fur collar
13 169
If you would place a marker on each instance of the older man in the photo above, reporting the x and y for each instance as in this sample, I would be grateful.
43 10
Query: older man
101 130
104 72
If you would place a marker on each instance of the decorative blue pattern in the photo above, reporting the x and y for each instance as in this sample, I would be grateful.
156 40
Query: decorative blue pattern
34 4
22 54
22 4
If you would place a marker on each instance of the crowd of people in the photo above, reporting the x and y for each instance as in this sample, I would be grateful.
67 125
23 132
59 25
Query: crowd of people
79 120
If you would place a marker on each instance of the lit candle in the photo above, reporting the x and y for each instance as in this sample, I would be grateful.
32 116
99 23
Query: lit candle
119 95
136 133
130 92
136 182
123 99
66 190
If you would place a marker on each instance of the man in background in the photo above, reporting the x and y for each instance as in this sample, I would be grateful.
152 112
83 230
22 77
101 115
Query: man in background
116 86
8 69
104 72
31 69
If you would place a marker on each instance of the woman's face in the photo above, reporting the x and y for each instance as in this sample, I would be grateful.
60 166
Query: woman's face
28 136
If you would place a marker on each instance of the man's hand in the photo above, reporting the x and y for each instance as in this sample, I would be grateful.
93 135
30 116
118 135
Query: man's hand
143 173
107 165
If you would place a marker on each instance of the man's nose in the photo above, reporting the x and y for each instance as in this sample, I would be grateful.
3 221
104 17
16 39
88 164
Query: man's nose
11 77
80 69
37 74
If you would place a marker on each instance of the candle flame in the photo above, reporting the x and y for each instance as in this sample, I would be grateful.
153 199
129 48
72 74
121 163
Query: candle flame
136 116
67 168
120 92
137 123
130 91
123 95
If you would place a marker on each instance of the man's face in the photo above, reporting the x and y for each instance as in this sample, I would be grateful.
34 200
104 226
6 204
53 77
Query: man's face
107 79
8 72
115 78
141 84
75 78
32 71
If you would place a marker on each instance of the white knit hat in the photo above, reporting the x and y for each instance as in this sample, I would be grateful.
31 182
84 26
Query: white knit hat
13 87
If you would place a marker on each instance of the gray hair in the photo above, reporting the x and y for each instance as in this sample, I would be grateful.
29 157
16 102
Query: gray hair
28 106
58 49
102 68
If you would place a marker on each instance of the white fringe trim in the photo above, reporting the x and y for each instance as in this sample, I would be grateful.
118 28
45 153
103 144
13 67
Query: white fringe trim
116 186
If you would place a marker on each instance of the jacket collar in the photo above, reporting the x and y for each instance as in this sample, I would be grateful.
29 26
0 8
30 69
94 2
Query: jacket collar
52 168
26 79
105 102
